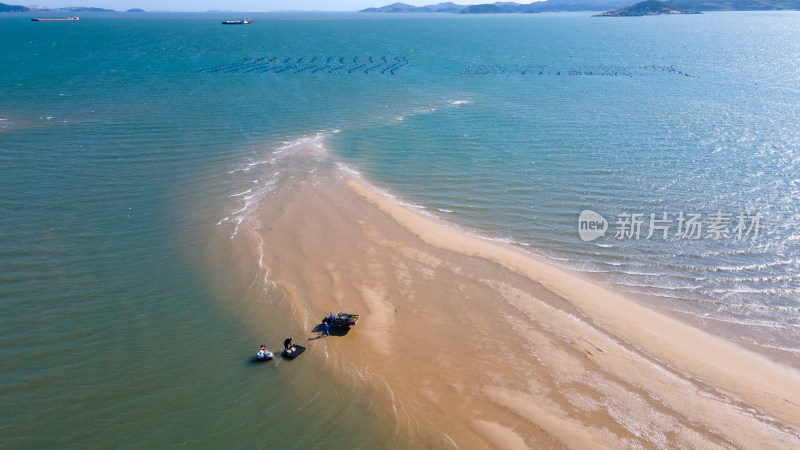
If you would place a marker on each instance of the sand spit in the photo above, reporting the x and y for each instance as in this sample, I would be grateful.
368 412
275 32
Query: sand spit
469 343
757 380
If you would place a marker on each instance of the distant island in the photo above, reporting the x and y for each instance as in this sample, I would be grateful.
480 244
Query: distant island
12 8
482 9
82 9
647 8
503 7
614 6
18 8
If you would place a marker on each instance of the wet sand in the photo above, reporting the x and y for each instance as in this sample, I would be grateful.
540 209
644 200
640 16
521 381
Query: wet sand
470 343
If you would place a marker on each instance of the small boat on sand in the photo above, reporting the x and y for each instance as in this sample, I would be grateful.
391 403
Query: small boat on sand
264 354
294 351
341 319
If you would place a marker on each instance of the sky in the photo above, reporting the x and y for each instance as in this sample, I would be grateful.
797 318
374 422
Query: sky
232 5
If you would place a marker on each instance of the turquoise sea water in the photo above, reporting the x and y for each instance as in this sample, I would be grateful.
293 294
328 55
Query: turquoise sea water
125 139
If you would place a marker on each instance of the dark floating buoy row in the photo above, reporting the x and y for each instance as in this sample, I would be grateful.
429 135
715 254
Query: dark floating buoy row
317 64
599 70
390 64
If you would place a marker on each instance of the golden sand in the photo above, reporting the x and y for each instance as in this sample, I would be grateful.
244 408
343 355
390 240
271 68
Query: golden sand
473 344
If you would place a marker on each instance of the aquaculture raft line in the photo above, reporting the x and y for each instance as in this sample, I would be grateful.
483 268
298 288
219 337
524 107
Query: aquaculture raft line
316 64
584 70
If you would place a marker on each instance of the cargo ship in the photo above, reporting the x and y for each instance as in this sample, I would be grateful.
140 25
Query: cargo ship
68 19
238 22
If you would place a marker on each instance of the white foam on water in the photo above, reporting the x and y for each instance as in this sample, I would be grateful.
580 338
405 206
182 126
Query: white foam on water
345 168
741 321
270 172
239 194
656 286
262 266
762 266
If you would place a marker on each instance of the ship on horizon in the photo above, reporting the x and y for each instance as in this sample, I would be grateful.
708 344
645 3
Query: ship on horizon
238 22
67 19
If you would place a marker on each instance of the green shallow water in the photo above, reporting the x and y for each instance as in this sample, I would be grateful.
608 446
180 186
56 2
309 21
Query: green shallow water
121 150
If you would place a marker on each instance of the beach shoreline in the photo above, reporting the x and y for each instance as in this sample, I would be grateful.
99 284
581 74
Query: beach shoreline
469 342
700 353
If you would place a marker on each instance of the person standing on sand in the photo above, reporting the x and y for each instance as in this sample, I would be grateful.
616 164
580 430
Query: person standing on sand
326 329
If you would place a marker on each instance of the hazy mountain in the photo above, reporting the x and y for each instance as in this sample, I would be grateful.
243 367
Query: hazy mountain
82 9
395 8
37 8
447 7
647 8
586 5
12 8
504 7
737 5
484 9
